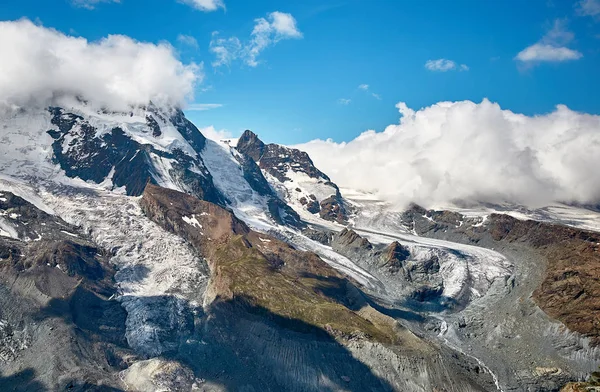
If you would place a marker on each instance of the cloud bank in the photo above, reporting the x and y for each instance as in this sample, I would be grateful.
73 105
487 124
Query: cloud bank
215 134
268 31
41 66
471 152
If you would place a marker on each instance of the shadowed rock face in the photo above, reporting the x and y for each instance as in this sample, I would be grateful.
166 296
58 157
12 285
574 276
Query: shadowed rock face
117 157
56 319
278 209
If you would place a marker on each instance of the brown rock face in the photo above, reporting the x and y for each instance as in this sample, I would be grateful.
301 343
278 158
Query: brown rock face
394 256
266 272
332 209
350 238
570 291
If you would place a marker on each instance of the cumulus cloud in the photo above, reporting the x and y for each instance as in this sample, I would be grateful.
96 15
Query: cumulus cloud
91 4
364 87
443 65
344 101
473 152
215 134
552 47
205 5
268 31
40 66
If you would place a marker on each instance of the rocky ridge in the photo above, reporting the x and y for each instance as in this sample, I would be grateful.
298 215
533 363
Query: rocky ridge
295 175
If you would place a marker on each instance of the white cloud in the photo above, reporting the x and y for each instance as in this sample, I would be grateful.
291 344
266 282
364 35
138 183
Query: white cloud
203 106
214 134
40 66
266 32
589 8
443 65
364 87
543 52
205 5
344 101
376 96
187 40
471 152
284 25
91 4
552 47
226 50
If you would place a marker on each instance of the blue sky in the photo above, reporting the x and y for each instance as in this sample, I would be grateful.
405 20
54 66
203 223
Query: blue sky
306 82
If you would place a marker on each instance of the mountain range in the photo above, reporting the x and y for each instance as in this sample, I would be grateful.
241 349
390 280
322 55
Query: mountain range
138 255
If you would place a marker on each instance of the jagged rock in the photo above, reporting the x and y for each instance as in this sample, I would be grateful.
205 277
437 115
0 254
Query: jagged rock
349 238
322 236
333 209
279 162
394 256
82 152
313 207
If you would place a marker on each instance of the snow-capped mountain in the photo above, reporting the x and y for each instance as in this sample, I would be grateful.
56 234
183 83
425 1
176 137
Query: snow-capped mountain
153 259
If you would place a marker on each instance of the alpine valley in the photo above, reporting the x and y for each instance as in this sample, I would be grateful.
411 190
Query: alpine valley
138 255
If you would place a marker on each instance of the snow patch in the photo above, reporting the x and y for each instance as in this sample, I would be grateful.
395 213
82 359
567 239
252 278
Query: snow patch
192 221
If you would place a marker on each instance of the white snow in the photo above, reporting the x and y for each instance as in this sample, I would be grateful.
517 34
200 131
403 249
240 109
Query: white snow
192 221
228 177
7 230
67 233
150 261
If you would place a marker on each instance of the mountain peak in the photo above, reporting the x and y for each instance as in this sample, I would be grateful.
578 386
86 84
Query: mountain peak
251 145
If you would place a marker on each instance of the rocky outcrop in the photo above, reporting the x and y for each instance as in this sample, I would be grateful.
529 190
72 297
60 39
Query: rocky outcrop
279 161
332 209
394 257
322 236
